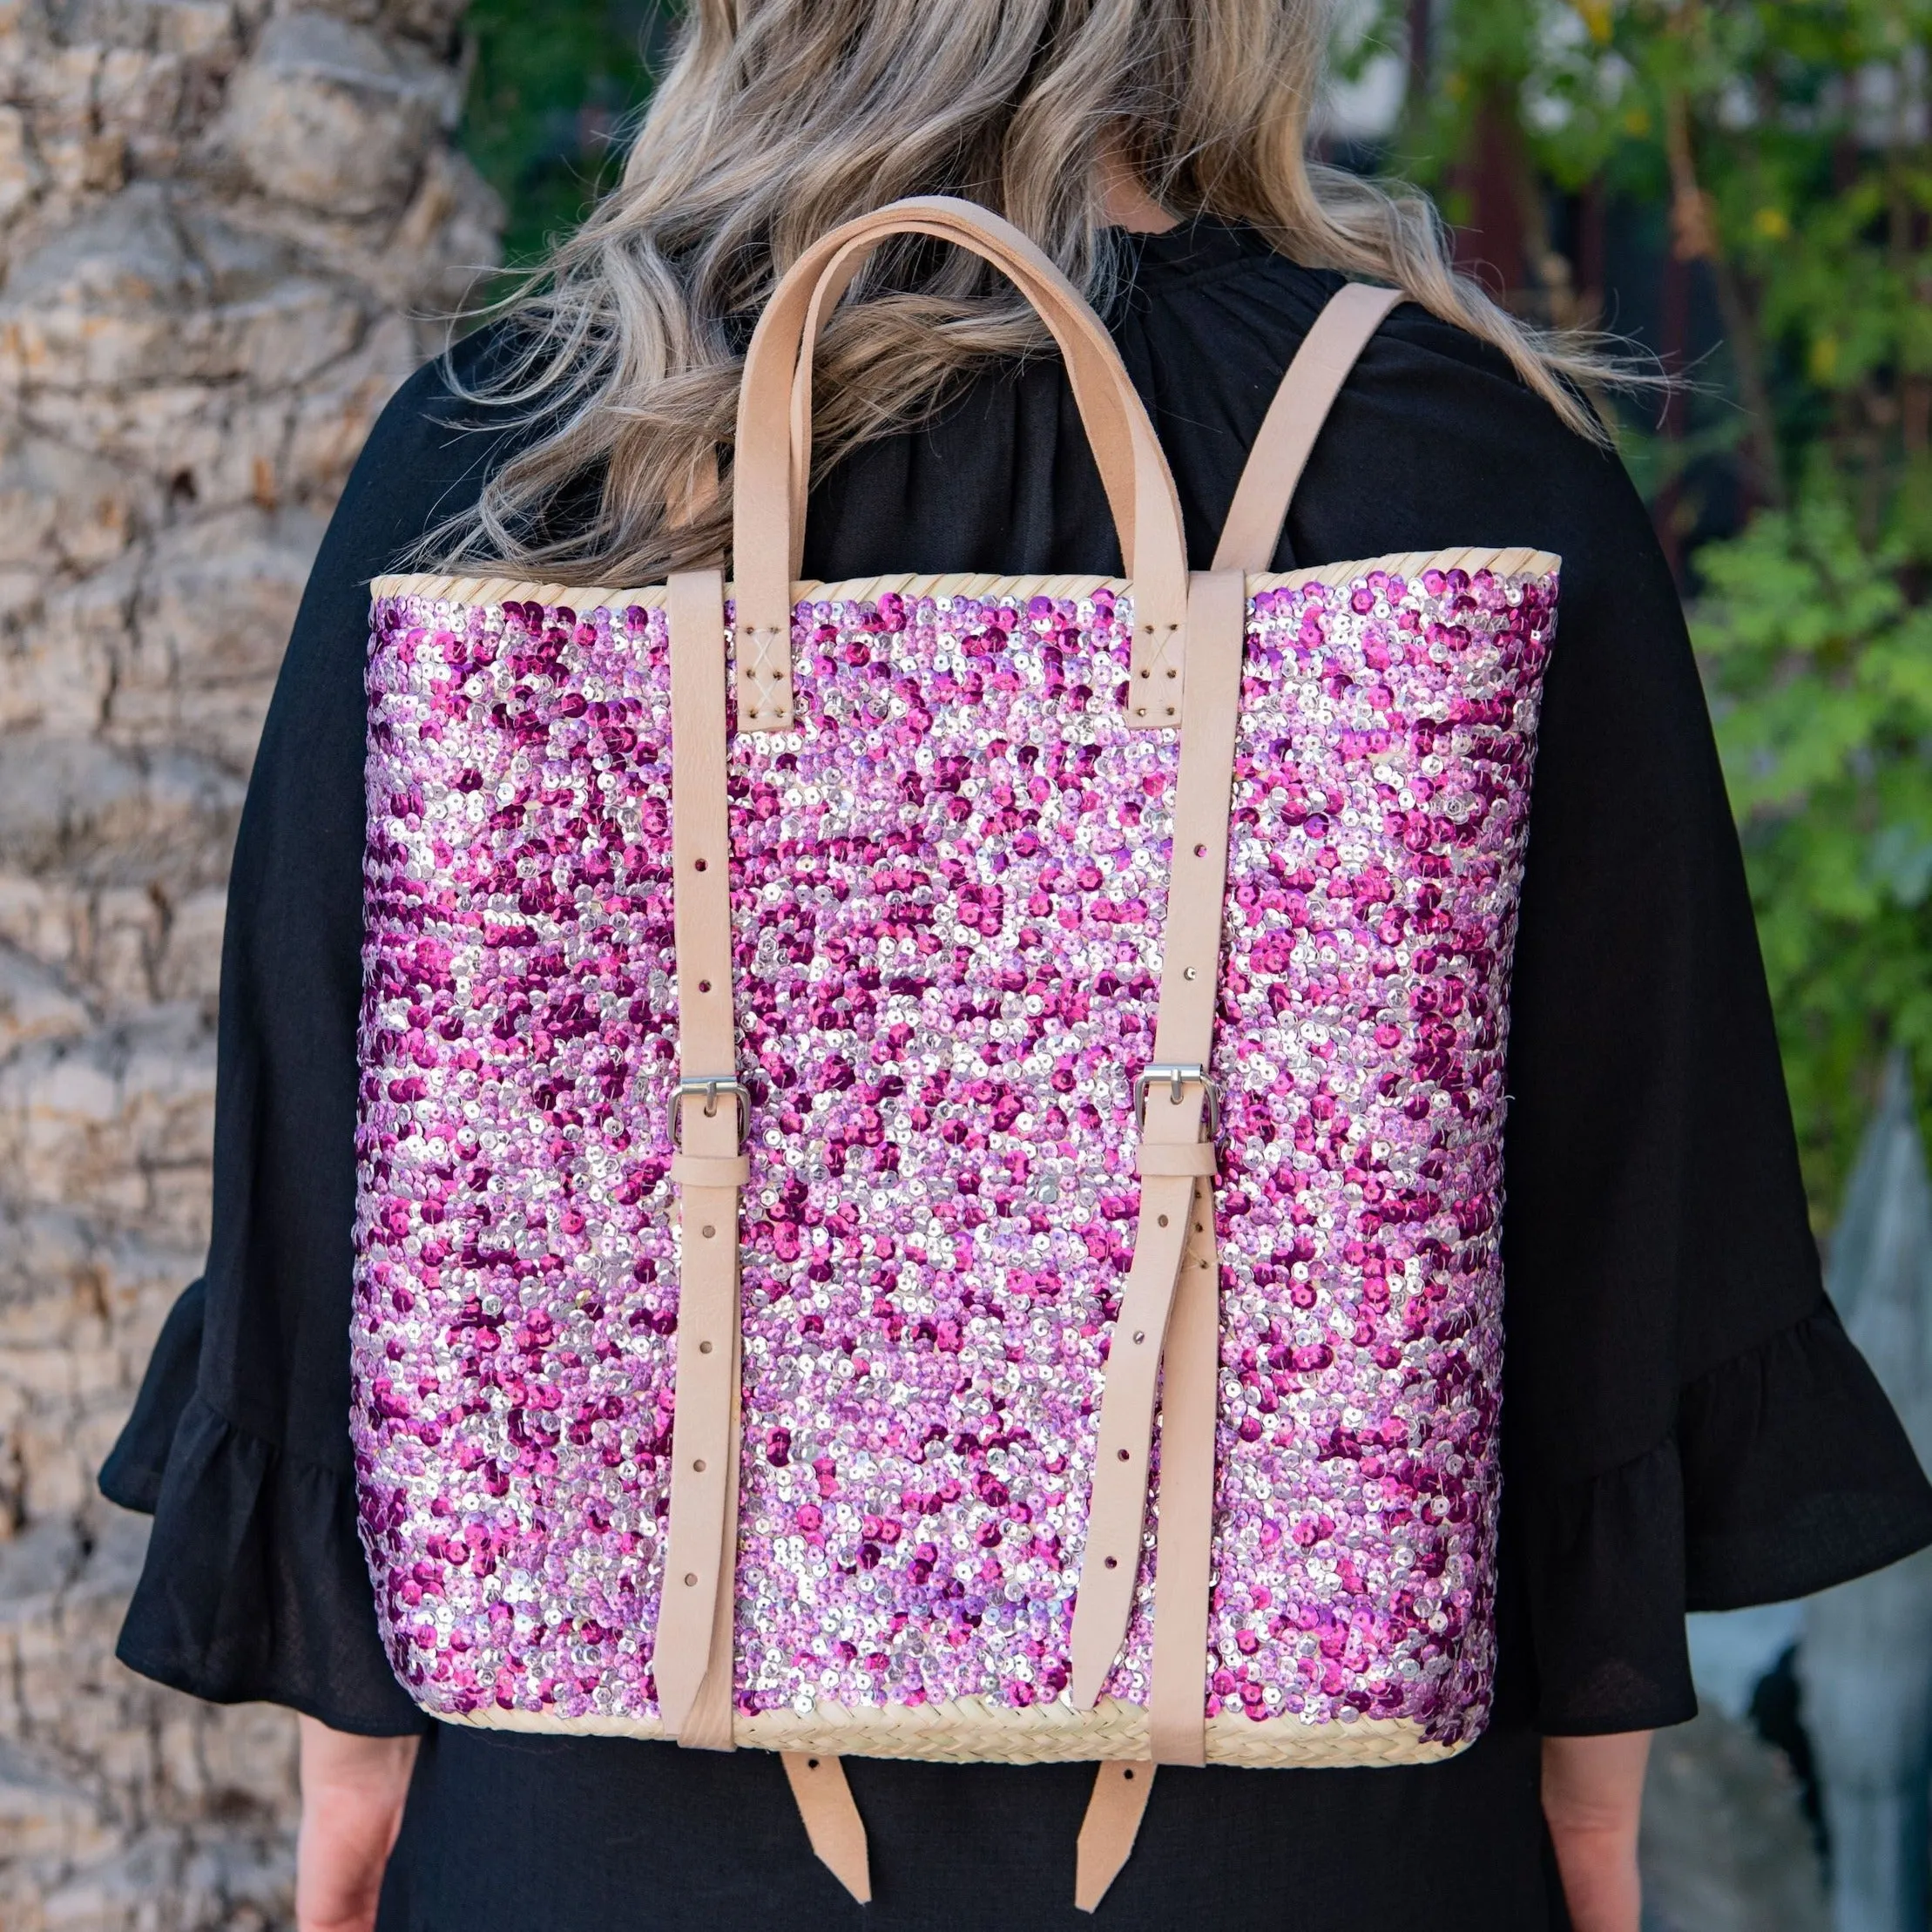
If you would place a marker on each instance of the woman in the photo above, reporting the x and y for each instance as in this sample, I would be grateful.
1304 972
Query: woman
1684 1424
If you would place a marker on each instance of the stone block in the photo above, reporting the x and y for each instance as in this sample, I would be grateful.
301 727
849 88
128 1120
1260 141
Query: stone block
138 96
22 175
433 21
126 941
104 1118
213 622
34 1005
60 506
332 416
190 965
200 28
196 27
148 288
58 656
205 448
336 118
45 919
222 593
85 810
46 1815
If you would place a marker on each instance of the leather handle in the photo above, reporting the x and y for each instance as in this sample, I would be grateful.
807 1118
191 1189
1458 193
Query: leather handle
1287 434
774 411
1088 373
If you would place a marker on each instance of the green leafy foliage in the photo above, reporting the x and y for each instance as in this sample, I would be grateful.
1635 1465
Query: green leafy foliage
551 92
1781 147
1819 666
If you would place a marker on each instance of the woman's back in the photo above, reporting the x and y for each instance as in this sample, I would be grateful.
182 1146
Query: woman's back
1638 1301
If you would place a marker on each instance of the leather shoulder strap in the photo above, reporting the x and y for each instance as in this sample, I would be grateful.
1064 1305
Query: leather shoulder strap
1294 419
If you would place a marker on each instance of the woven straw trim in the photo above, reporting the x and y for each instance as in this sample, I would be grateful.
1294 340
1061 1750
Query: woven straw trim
494 589
969 1729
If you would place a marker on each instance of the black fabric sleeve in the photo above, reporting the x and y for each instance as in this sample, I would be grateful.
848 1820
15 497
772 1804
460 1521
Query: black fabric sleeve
254 1586
131 1474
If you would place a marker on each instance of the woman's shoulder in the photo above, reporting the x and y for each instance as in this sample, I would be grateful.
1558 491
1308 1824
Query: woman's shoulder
428 453
1435 438
1225 289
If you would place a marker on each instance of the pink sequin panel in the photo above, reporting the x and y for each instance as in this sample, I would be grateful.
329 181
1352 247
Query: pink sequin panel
948 886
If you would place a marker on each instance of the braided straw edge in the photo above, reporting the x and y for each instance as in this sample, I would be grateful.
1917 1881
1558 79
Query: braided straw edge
973 1730
496 590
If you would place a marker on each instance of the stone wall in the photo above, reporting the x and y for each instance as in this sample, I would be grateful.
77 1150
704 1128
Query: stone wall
217 222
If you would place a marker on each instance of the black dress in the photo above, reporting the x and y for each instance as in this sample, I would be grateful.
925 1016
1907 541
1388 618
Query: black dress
1686 1425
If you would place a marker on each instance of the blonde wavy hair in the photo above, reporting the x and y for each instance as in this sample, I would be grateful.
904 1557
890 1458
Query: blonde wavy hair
777 120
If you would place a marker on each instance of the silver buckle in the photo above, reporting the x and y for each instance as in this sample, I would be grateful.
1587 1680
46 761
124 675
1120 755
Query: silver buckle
1178 1078
708 1087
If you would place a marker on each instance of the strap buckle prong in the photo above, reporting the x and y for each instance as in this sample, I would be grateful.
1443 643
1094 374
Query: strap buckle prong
1179 1078
708 1087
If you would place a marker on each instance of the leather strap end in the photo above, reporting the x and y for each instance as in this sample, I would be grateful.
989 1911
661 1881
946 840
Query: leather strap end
1195 1158
1089 1665
830 1818
707 1723
1108 1831
711 1170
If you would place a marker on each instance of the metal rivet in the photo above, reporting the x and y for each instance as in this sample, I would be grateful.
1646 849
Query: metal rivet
699 865
1188 972
704 985
707 1231
1122 1455
699 1465
703 1347
1146 673
811 1764
690 1579
1140 711
1140 1334
1171 673
1112 1563
1162 1220
1200 851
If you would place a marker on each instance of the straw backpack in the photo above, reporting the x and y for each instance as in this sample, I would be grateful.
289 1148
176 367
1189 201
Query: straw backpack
930 1148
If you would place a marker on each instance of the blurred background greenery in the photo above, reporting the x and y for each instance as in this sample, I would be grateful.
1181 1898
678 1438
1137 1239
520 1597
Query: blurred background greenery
1743 187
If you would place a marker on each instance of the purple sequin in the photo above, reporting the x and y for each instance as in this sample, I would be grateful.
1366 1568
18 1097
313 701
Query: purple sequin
948 885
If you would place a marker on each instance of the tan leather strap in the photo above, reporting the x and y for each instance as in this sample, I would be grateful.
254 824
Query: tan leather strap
1108 1831
831 1819
1153 541
1196 1160
1184 1038
1089 375
1183 1564
703 1171
1184 1554
693 1662
1301 407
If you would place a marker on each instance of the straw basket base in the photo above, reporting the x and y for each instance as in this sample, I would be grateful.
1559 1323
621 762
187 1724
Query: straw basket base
971 1730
